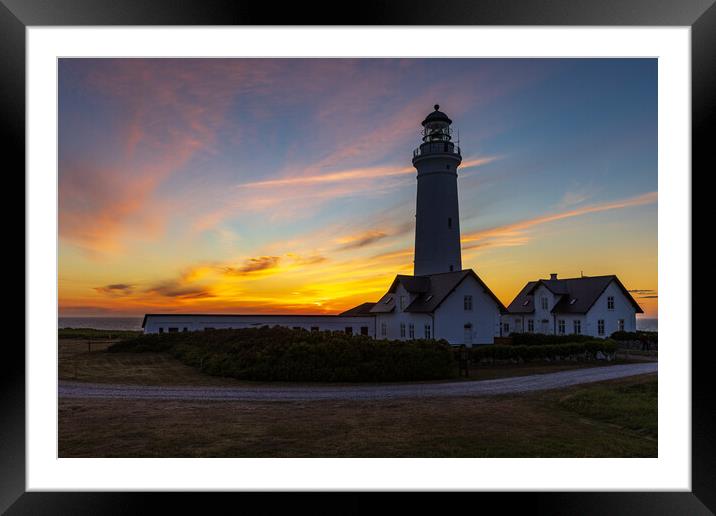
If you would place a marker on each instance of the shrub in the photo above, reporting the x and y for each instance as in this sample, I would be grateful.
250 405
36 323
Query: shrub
578 350
643 336
283 354
541 339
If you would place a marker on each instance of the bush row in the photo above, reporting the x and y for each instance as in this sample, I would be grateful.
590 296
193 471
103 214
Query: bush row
644 336
283 354
572 350
542 339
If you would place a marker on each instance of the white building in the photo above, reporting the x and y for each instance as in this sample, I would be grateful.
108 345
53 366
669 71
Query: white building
171 323
590 305
455 306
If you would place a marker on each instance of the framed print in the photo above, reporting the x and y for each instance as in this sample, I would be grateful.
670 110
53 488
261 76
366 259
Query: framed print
429 256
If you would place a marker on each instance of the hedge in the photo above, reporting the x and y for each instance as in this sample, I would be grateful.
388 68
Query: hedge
573 350
648 336
541 339
283 354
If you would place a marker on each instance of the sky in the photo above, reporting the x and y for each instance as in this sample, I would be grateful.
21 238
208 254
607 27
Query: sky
286 185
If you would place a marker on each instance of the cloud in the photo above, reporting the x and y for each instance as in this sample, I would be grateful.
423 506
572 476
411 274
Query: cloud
515 234
360 240
116 289
176 288
261 263
642 291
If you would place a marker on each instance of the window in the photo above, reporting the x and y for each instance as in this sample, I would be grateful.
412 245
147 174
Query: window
531 325
468 302
349 330
402 329
383 329
402 302
561 327
610 303
173 330
364 330
620 325
505 329
314 328
161 330
544 302
411 330
449 222
451 268
577 327
600 327
427 331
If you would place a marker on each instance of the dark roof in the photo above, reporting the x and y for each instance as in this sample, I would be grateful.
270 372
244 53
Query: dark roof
431 290
437 116
384 305
575 295
524 302
357 311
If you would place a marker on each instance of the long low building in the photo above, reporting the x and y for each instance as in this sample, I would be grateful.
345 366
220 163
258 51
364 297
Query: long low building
170 323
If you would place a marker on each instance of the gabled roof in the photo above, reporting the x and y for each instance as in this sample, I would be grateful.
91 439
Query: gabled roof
431 290
575 295
384 305
413 284
357 311
524 302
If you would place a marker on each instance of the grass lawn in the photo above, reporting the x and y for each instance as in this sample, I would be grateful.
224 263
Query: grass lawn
607 419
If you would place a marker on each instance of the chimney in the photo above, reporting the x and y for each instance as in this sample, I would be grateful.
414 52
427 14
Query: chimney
553 276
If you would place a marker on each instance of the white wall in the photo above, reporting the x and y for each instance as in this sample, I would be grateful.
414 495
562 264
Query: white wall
539 314
451 316
623 309
201 322
394 319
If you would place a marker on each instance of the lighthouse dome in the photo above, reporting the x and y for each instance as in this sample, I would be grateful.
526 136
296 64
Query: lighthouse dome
436 116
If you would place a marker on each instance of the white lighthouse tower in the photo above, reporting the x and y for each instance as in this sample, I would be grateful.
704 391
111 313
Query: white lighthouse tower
437 219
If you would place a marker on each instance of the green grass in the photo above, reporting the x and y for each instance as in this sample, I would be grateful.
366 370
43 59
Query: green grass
631 406
92 334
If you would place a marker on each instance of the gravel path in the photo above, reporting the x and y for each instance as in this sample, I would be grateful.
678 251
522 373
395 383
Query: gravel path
360 392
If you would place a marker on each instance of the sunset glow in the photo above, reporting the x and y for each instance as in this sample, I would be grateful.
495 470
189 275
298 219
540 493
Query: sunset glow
286 186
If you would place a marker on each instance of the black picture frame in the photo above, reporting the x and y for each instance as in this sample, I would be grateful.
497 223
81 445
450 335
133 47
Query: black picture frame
700 15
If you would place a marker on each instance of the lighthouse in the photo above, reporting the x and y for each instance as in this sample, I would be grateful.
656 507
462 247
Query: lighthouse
437 218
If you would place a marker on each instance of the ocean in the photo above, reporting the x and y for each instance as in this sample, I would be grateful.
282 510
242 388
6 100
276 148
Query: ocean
135 323
101 323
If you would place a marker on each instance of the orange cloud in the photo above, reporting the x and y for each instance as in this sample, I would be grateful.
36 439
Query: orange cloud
514 234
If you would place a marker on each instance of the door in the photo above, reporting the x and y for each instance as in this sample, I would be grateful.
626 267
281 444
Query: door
468 335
